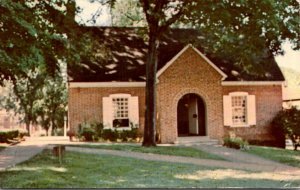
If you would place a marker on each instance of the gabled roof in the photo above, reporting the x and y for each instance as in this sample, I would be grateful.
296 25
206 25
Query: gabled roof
121 56
160 71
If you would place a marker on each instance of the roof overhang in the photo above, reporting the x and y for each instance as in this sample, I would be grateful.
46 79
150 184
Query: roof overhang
163 69
251 83
106 84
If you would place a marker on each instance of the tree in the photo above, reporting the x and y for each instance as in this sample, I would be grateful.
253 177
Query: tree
52 107
34 37
245 27
38 98
30 28
23 96
287 123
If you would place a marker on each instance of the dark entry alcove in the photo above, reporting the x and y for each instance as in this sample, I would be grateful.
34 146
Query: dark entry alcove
191 116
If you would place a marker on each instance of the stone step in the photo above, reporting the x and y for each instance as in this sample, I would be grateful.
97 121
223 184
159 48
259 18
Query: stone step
196 140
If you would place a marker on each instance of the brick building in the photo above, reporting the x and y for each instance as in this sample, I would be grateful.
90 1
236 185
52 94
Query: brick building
197 94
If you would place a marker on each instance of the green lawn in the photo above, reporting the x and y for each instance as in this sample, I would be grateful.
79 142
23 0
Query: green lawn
166 150
91 171
289 157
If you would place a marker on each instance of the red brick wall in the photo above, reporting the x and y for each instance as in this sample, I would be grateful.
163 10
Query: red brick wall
268 104
189 74
85 104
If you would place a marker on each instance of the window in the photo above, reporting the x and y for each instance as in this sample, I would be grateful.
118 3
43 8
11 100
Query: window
120 115
120 111
239 109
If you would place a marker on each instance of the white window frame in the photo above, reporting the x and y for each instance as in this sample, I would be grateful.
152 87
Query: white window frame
250 109
131 112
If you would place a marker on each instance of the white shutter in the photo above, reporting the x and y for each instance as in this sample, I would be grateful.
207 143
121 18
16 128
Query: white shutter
251 110
227 111
133 110
107 110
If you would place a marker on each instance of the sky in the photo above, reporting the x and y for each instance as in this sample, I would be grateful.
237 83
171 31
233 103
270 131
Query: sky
291 58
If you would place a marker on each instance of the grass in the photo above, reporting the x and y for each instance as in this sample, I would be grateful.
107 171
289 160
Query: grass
289 157
91 171
165 150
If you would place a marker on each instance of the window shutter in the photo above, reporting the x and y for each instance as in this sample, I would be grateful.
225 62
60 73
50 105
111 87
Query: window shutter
133 110
227 110
107 110
251 110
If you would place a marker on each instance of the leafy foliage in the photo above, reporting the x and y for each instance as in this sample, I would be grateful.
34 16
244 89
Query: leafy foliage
96 131
87 133
35 37
6 135
287 122
236 143
52 107
23 94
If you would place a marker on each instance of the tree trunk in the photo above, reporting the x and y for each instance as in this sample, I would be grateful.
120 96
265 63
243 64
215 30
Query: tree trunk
150 119
28 127
47 132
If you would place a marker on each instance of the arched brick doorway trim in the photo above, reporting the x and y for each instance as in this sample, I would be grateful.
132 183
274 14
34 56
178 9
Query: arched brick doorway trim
191 116
182 93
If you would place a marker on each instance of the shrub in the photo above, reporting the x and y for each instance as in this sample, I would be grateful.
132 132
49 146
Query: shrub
287 123
124 135
109 134
87 133
5 135
133 133
237 143
98 128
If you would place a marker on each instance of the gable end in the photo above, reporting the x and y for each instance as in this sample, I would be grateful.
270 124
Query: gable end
163 69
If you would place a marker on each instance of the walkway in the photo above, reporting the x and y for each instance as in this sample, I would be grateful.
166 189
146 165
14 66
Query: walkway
188 160
237 159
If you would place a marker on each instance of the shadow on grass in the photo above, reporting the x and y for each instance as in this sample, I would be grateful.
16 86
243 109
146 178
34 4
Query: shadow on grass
94 171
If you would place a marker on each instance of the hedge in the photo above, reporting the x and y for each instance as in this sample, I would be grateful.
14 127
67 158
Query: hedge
5 135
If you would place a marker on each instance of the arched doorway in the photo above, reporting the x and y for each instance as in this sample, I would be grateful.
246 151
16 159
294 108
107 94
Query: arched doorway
191 116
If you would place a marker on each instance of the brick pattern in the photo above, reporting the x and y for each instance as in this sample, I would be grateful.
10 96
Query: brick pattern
85 104
189 74
268 104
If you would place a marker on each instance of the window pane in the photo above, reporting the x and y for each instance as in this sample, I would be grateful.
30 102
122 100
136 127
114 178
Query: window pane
120 111
239 107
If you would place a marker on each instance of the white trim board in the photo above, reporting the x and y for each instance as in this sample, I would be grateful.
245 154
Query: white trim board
251 83
143 84
105 84
199 53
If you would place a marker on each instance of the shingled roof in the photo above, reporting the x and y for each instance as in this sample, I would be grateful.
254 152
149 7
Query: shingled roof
122 57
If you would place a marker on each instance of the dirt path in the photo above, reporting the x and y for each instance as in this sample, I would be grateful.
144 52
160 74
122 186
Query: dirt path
237 159
188 160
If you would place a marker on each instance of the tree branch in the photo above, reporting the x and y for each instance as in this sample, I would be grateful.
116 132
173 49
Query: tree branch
146 7
174 18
